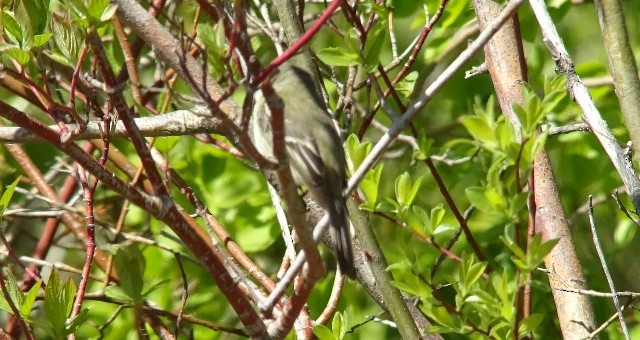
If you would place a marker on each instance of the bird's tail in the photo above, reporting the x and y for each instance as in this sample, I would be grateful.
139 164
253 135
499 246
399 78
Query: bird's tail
341 236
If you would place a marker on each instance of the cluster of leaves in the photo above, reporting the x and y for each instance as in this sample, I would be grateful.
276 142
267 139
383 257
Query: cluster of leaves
58 294
481 300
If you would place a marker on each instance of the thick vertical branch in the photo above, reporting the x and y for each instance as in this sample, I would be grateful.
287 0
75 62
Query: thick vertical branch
623 65
506 63
574 310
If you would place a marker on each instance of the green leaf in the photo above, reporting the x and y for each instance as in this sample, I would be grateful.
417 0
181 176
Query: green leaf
79 320
437 215
99 11
337 56
130 265
373 48
407 85
29 299
479 129
412 286
7 195
67 37
58 302
405 190
541 251
337 323
518 203
17 298
41 39
513 248
443 317
324 333
476 196
117 293
474 273
529 324
356 152
520 112
538 144
21 56
370 185
11 27
624 232
36 13
418 219
456 13
108 13
256 239
424 147
496 199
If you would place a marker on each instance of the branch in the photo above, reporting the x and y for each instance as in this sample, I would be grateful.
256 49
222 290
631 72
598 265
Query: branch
176 123
579 92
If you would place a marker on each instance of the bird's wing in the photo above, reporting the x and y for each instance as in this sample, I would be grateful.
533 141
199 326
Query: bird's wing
306 161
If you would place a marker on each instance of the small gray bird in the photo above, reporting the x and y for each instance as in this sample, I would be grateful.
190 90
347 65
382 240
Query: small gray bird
314 149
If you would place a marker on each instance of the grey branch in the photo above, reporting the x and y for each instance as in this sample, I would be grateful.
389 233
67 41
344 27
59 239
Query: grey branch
176 123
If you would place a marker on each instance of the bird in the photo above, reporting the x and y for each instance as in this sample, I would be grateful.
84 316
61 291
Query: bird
314 149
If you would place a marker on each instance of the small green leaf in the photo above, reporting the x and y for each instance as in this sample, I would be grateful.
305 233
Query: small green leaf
58 302
324 333
67 37
356 152
130 264
36 14
520 113
370 185
337 56
529 324
479 129
11 27
80 319
21 56
437 215
403 189
418 220
96 10
474 273
412 286
543 250
336 323
476 196
373 48
513 248
29 299
117 293
624 233
443 317
538 144
519 203
41 39
17 298
495 199
407 85
108 13
7 195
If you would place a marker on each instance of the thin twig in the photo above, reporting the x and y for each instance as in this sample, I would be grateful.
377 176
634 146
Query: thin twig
607 274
